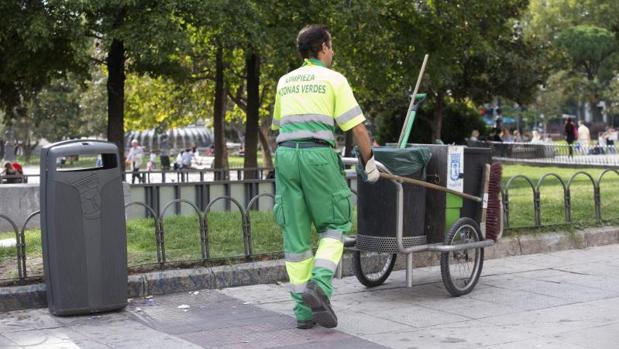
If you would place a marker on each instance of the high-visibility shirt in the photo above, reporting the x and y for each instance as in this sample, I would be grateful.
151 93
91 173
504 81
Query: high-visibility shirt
310 101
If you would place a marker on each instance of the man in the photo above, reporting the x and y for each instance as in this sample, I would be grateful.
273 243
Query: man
584 136
135 158
310 183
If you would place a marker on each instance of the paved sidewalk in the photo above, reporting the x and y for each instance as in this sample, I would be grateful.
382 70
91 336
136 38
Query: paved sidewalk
565 300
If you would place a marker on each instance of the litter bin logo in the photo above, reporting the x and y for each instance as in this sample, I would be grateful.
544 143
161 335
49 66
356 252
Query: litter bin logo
90 198
455 168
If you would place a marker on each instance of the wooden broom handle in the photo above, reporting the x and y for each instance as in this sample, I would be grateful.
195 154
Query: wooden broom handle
428 185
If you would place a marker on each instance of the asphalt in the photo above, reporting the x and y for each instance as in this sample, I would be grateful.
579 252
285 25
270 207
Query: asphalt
567 300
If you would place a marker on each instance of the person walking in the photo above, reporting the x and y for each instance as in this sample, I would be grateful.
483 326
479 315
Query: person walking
309 175
584 136
135 159
570 135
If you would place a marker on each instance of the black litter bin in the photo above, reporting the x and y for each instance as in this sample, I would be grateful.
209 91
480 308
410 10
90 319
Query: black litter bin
83 229
376 203
437 203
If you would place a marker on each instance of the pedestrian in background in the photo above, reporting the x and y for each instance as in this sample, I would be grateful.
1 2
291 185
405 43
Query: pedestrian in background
584 136
570 132
11 173
135 159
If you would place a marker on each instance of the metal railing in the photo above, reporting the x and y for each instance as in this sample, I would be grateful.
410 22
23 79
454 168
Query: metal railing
566 187
169 176
553 154
159 233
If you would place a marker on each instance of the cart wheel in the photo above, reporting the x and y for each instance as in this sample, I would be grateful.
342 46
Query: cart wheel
373 268
460 270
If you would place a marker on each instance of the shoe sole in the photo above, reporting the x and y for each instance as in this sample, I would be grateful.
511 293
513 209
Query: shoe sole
321 313
305 326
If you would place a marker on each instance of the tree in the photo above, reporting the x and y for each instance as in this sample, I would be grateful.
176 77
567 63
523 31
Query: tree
472 54
39 41
66 108
589 49
573 30
139 36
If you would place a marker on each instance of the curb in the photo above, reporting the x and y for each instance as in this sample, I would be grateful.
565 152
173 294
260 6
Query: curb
267 272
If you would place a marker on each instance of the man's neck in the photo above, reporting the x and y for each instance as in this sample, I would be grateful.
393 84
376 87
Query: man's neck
314 61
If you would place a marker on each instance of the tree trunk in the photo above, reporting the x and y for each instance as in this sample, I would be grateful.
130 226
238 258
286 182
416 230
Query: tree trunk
263 134
219 112
29 149
116 96
596 113
252 65
436 123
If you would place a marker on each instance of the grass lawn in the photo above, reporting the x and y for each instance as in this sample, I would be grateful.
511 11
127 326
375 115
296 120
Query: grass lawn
551 195
182 240
235 161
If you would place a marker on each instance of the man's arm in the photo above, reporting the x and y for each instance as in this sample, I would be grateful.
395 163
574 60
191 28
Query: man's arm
360 133
362 138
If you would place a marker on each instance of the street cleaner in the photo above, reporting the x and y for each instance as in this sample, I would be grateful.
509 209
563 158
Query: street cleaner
310 184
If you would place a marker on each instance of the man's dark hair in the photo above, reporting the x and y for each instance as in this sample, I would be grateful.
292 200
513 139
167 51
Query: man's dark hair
311 38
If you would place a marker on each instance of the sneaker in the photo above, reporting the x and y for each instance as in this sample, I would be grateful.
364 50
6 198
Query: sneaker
305 324
316 299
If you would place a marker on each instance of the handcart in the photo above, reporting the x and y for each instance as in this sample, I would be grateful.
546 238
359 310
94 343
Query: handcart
460 240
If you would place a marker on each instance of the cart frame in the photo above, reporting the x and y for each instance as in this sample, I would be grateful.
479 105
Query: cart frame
409 251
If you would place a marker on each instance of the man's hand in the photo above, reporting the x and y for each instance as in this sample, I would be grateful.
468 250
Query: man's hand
371 171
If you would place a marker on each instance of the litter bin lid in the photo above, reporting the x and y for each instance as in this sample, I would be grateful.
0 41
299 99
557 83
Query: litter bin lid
403 162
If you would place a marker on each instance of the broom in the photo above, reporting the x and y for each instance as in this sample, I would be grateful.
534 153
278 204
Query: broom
492 208
494 217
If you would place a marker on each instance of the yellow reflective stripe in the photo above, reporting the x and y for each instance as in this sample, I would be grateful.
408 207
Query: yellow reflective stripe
300 118
299 272
291 136
348 115
330 249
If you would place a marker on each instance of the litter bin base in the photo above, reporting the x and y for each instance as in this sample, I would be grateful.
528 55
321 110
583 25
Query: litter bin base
387 244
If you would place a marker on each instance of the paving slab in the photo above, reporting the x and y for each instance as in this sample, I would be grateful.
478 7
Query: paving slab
564 300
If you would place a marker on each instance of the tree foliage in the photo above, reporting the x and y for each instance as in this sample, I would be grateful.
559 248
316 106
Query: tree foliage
39 41
582 38
169 63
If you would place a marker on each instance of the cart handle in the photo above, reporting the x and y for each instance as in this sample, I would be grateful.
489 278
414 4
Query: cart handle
385 173
429 186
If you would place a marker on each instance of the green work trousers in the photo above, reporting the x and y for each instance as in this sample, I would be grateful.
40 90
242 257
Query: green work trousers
311 189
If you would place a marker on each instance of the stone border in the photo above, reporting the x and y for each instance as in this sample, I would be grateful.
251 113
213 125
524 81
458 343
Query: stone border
183 280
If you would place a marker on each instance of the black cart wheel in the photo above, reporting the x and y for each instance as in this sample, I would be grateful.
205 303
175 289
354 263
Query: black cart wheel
372 268
460 270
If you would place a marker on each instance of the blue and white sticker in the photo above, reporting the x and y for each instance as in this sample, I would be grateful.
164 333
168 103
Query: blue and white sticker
455 168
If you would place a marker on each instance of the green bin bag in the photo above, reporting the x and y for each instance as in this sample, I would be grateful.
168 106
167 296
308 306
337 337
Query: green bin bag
401 162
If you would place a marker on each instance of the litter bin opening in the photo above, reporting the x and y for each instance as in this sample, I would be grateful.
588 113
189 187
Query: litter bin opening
86 162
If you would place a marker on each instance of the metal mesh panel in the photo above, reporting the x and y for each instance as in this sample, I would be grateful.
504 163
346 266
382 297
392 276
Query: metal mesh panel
387 244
